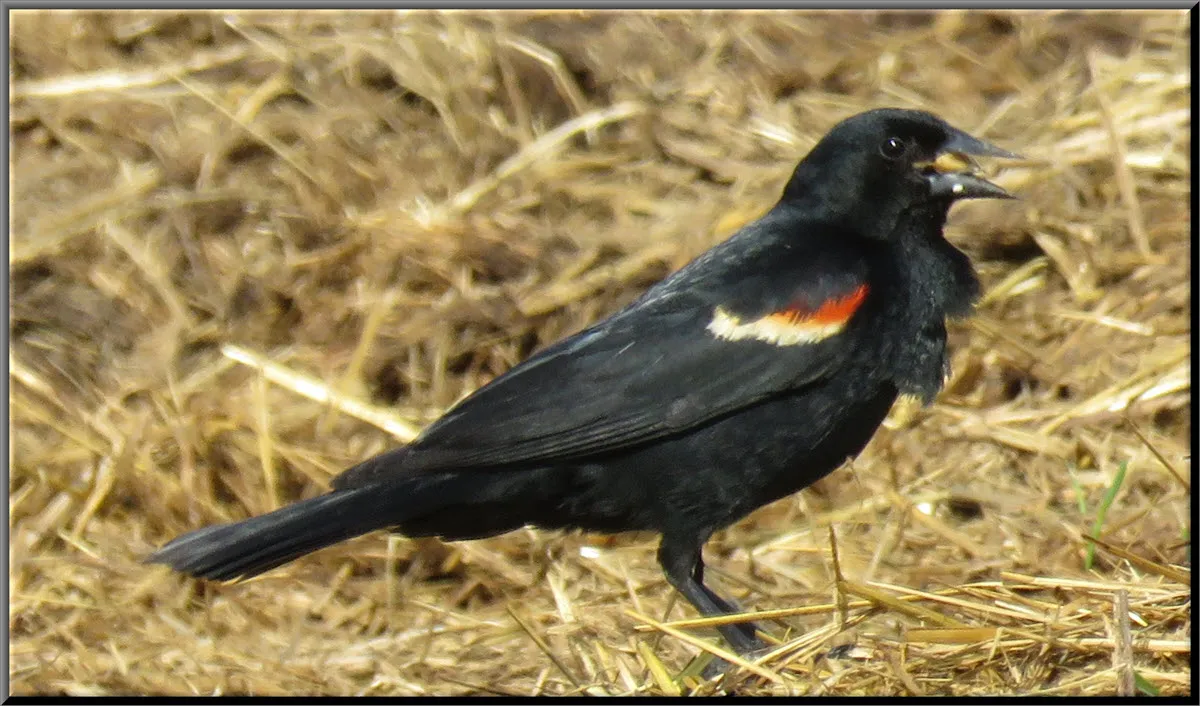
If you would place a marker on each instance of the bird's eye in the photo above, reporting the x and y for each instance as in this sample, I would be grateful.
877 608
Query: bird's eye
893 148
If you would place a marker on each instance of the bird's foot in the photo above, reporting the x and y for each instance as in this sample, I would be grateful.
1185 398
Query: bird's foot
718 667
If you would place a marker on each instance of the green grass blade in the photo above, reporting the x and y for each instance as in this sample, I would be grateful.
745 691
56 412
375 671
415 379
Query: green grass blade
1109 496
1080 497
1143 685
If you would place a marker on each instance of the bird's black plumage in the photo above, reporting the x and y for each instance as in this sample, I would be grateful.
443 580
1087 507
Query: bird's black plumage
745 376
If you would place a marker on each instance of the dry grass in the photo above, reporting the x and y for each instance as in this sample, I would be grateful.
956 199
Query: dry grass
251 248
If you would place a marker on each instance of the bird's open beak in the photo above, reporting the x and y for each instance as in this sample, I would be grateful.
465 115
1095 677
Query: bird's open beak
954 175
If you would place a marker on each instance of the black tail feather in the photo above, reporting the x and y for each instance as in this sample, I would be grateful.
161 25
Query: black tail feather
250 547
451 505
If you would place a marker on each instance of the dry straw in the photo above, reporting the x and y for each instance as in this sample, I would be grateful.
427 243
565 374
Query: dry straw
251 248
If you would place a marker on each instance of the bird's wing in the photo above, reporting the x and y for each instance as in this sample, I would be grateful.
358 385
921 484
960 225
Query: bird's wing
700 347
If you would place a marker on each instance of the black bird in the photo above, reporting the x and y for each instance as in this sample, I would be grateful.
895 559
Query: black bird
746 376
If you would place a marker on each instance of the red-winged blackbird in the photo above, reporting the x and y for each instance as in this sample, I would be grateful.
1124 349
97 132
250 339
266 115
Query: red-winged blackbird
747 375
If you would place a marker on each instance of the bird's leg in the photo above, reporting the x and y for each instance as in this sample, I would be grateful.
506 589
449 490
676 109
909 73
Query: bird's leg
727 606
684 569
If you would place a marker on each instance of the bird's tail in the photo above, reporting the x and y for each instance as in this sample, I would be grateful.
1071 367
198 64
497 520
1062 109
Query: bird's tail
453 505
250 547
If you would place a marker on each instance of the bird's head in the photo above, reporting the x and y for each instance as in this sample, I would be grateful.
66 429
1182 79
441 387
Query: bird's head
874 166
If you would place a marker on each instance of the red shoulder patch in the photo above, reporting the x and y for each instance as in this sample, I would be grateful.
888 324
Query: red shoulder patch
794 325
833 311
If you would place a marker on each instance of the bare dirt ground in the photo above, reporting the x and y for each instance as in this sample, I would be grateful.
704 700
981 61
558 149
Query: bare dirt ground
251 248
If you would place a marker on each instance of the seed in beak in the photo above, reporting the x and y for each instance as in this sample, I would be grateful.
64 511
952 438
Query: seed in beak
950 162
